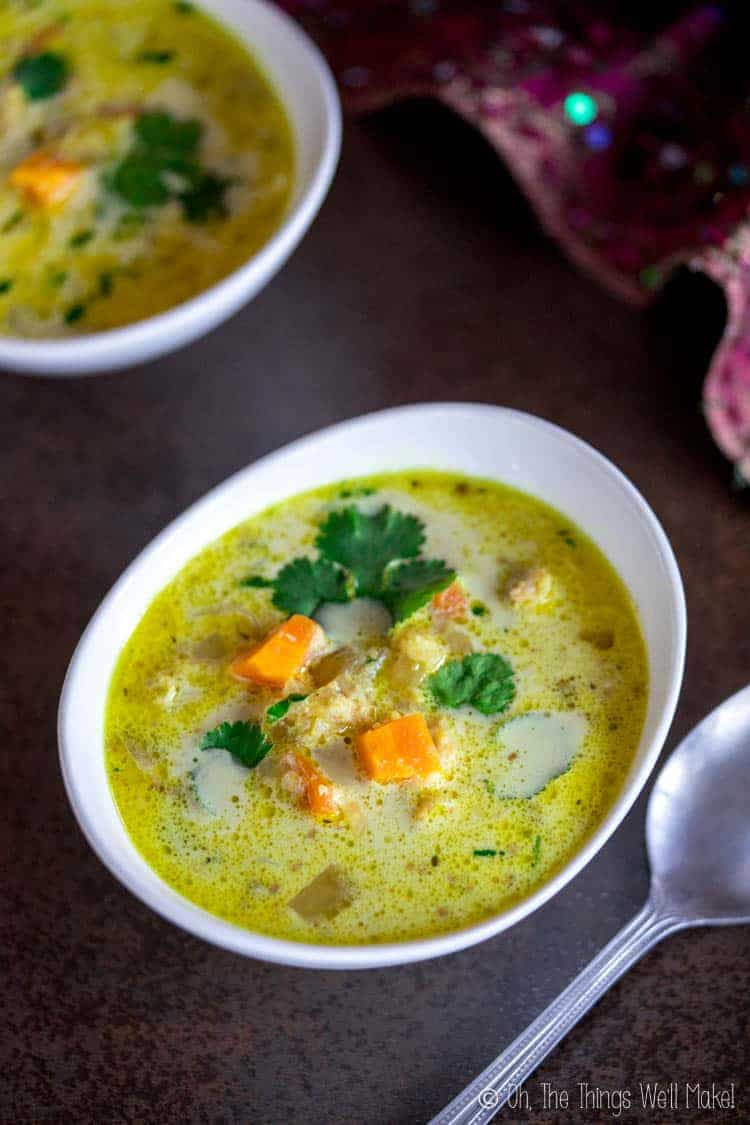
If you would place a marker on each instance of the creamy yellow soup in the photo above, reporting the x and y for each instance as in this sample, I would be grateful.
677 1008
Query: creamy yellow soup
512 643
144 155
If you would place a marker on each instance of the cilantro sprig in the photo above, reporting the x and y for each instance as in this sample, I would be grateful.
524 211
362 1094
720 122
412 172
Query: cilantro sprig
483 680
163 164
361 555
245 741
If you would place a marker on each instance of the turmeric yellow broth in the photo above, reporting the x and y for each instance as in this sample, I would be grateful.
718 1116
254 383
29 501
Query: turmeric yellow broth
143 156
382 710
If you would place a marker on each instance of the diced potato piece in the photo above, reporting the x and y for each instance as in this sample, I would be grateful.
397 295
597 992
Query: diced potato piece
46 179
398 751
417 653
325 896
316 791
531 587
282 654
451 602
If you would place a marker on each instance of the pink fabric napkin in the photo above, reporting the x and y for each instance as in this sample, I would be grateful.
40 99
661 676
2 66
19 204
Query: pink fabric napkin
628 131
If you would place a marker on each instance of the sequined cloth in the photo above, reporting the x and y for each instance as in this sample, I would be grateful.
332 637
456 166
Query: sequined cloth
627 128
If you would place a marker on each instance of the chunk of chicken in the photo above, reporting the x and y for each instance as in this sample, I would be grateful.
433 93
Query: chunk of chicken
529 587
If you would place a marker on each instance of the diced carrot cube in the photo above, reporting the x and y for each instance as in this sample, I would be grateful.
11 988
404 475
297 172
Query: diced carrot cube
451 602
45 179
398 750
281 655
318 791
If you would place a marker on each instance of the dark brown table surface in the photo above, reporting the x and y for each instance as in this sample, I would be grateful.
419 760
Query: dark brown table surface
423 279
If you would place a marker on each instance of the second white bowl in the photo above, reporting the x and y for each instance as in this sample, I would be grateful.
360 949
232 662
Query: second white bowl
308 92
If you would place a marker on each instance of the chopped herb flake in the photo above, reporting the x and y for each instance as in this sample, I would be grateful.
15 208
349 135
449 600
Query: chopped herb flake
536 850
256 582
486 851
12 222
41 76
479 610
6 285
350 493
278 710
204 198
81 238
106 283
158 57
74 313
245 741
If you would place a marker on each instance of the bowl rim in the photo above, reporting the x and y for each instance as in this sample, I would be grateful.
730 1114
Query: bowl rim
227 935
92 353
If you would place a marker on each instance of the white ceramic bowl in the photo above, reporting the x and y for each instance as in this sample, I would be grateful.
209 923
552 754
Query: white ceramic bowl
486 441
306 87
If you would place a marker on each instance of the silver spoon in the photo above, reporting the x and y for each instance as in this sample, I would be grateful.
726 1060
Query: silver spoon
698 839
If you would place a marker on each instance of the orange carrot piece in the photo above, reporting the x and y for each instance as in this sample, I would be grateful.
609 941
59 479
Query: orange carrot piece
281 655
451 602
45 179
398 750
319 793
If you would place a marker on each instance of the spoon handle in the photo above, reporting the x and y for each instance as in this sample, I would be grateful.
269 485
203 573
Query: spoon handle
482 1098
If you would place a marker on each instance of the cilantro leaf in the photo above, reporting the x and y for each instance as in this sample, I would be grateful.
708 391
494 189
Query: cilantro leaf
204 197
158 57
257 582
278 710
365 544
138 180
483 679
80 238
41 76
163 133
303 584
407 586
74 313
244 741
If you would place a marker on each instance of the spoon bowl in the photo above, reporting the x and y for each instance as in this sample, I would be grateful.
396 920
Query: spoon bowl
698 840
697 827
